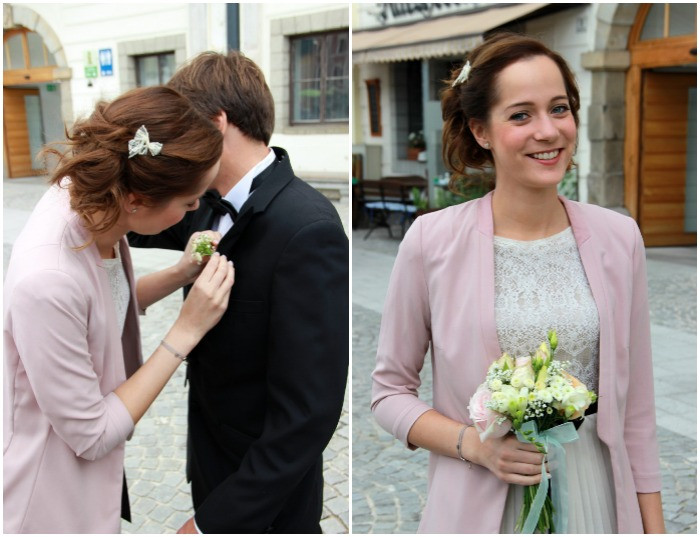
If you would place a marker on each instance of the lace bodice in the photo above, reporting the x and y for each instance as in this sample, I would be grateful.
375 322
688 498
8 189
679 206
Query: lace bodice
119 285
541 285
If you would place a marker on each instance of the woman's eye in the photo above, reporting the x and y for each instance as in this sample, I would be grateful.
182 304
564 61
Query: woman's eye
560 109
519 116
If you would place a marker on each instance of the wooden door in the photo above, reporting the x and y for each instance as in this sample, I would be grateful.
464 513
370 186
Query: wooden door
19 156
663 158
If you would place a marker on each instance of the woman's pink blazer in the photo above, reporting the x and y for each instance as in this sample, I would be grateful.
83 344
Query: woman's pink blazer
442 293
64 428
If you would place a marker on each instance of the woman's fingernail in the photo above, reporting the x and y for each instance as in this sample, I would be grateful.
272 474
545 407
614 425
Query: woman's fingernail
230 263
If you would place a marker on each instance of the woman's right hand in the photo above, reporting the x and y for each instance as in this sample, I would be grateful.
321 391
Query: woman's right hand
187 265
208 299
510 460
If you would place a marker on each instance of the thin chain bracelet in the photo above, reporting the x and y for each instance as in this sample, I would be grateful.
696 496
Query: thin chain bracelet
167 347
459 445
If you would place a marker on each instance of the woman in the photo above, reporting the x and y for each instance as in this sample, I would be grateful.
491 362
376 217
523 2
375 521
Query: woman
494 275
74 386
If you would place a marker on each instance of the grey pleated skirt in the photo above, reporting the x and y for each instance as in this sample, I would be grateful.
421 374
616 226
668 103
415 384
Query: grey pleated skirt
591 486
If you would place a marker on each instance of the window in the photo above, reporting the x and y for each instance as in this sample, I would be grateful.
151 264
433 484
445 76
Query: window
408 104
25 50
320 78
374 105
669 20
154 69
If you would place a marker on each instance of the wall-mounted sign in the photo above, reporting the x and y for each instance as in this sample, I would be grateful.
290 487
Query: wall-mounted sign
90 64
389 13
106 67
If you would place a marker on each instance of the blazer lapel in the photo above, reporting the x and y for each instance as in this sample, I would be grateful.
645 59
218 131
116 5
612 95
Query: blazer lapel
487 285
272 180
131 334
591 258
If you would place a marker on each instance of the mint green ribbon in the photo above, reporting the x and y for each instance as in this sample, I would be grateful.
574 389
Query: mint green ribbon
552 440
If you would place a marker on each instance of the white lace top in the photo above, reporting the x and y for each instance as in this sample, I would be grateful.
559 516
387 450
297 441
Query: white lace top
120 286
541 285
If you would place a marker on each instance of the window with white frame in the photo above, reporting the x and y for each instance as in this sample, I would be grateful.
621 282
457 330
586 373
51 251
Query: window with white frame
319 78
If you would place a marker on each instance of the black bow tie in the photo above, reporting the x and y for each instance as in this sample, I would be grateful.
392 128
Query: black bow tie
219 205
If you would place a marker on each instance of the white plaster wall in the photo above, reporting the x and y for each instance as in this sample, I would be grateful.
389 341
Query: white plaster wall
571 34
91 26
82 27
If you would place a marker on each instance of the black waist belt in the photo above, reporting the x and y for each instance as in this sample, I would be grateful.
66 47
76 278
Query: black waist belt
593 409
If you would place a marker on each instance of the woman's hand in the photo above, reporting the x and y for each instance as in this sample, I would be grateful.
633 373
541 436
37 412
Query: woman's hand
208 299
187 265
510 460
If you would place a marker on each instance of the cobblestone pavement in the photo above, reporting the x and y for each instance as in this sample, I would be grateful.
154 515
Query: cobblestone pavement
155 455
390 482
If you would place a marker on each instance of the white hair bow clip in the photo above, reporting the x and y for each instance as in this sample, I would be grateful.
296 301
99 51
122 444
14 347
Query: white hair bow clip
141 144
463 75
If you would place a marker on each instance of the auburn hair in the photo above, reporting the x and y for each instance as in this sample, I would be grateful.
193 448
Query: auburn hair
97 155
475 98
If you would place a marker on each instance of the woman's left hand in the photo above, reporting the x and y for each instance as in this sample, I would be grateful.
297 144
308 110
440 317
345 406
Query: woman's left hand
187 265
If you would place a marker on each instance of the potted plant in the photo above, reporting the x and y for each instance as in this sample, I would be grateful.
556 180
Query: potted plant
465 188
416 144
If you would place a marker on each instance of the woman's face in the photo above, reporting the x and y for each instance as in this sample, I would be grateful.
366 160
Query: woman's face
150 220
531 130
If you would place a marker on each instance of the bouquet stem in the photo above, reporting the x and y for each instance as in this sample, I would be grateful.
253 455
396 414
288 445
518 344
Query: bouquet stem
545 523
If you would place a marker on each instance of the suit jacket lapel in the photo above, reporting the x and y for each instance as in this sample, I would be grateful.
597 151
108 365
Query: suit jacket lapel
591 258
487 283
273 179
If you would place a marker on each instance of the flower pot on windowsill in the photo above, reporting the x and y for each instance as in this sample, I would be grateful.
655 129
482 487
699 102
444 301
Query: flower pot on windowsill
413 152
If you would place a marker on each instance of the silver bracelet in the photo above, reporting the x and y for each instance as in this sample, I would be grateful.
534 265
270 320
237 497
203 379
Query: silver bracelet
459 445
173 351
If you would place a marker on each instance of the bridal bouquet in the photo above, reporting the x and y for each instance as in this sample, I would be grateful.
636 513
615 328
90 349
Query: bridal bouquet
535 398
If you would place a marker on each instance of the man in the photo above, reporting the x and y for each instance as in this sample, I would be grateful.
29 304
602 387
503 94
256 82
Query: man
267 383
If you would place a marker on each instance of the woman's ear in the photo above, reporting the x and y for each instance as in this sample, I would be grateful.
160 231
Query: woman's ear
479 131
131 203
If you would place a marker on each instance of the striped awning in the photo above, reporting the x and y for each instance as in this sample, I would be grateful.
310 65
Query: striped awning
444 36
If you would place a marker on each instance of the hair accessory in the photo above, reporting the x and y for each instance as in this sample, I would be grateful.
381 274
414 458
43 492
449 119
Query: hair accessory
141 144
463 75
173 351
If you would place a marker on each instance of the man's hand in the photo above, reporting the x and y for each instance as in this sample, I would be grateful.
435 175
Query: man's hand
188 527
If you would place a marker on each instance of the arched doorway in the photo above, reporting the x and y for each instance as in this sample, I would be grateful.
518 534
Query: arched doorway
661 125
34 94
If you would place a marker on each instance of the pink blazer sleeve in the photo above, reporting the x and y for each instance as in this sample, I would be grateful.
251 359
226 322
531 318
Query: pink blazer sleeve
50 331
640 417
403 341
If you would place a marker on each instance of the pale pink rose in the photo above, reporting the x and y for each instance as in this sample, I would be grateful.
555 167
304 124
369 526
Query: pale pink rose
523 375
486 420
522 361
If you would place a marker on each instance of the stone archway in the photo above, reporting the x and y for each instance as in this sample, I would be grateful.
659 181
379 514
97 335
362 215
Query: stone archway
608 62
15 16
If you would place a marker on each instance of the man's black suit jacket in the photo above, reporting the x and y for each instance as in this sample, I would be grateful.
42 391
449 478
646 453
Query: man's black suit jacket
267 382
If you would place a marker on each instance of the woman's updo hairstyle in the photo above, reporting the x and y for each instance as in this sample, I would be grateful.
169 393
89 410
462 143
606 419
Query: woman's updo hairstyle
474 98
97 159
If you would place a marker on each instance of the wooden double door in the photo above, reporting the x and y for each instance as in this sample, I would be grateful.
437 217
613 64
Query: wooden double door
22 131
668 164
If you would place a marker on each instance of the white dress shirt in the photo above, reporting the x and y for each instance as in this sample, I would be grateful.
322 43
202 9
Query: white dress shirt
240 192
